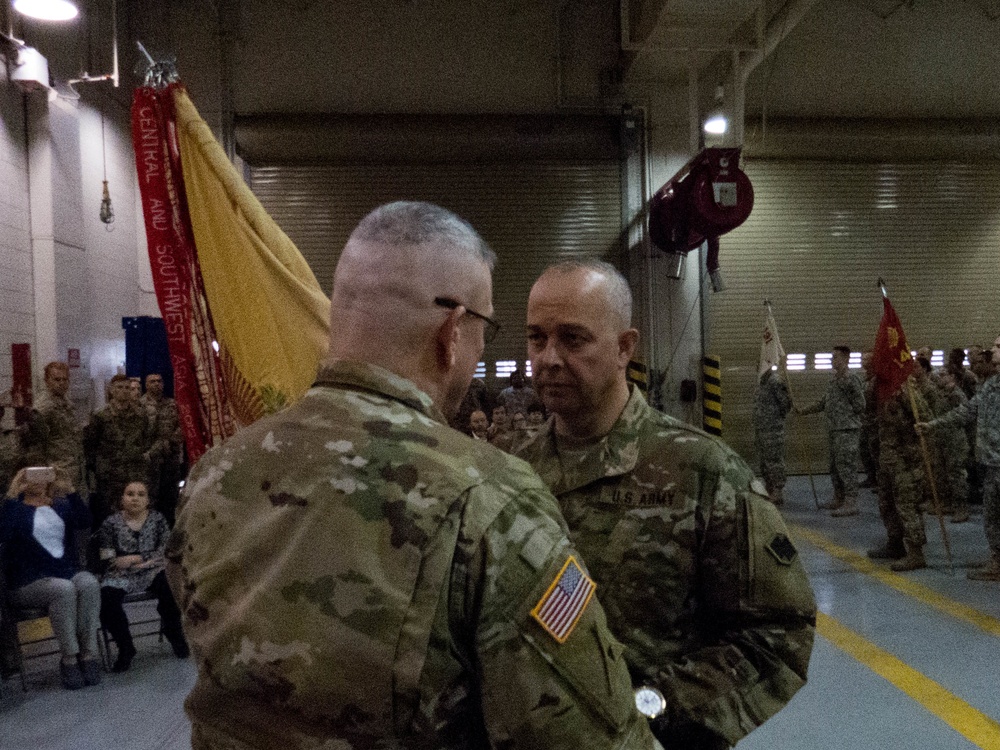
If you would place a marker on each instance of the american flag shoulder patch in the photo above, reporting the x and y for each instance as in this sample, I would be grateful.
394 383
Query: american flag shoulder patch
562 606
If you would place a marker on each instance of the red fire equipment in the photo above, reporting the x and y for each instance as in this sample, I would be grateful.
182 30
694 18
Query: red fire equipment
708 197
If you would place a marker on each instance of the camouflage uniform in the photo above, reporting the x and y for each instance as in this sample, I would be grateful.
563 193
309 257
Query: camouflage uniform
984 409
694 567
770 408
117 442
950 454
844 404
165 455
355 574
10 458
868 437
901 468
54 438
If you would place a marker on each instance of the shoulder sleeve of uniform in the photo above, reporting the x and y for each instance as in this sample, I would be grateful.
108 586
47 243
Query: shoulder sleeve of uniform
551 673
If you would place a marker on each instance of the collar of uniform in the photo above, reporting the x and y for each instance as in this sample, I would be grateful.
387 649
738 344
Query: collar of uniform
611 456
368 377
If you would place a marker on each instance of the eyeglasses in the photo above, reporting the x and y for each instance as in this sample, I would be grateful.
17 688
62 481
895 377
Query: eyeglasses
492 327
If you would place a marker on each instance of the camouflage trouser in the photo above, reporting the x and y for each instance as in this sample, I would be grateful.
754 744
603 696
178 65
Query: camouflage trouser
844 458
950 475
899 480
991 506
868 445
770 446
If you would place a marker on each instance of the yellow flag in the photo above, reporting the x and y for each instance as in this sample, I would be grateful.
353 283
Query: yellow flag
270 314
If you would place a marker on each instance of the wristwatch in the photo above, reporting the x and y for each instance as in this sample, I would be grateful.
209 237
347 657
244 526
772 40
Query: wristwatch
650 701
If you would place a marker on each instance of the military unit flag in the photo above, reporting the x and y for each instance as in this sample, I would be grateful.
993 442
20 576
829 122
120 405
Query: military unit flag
771 351
891 358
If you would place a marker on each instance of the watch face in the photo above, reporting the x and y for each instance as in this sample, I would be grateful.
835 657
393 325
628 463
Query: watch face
650 702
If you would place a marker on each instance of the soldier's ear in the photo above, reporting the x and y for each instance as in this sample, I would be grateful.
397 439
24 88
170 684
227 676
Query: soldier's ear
446 339
627 342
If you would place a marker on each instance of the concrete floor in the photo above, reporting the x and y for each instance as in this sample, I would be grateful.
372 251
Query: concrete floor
907 661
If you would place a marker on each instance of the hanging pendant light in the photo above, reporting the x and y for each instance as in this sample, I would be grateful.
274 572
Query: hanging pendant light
47 10
107 212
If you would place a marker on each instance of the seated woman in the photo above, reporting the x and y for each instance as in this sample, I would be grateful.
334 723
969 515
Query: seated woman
42 566
131 544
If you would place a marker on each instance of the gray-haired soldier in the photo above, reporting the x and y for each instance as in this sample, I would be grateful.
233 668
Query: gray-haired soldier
694 566
356 574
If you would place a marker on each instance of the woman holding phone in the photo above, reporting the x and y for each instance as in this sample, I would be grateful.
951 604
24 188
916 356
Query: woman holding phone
42 567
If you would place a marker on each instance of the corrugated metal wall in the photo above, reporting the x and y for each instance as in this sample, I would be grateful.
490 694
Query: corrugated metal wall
531 214
820 235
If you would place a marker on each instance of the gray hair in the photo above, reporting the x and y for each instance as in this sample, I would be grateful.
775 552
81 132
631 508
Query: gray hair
617 288
420 223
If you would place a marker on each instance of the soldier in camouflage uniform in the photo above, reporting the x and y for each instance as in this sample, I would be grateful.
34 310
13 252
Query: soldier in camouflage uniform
10 453
844 405
117 443
165 455
984 409
868 437
901 477
356 574
695 568
53 436
770 408
952 451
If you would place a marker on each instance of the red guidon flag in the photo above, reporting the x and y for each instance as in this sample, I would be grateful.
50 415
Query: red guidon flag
891 359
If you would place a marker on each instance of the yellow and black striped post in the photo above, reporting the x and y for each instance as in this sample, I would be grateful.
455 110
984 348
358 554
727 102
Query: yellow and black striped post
711 399
637 373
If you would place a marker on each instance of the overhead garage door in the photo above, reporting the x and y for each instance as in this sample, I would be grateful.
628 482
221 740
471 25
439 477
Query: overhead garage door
819 237
531 211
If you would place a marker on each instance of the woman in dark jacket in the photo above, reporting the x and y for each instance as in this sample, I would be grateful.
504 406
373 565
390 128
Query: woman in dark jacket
42 567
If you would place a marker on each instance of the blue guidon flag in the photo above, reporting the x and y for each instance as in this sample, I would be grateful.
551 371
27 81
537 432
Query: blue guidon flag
559 610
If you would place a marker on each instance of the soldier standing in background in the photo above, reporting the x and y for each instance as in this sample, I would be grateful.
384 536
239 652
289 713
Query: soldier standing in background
771 405
117 444
844 404
868 437
694 566
10 452
167 451
901 476
356 574
953 452
984 409
53 436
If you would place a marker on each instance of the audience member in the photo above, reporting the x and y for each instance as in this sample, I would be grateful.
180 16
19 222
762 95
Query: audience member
53 436
130 544
117 443
166 454
479 425
38 523
518 395
477 398
844 404
500 424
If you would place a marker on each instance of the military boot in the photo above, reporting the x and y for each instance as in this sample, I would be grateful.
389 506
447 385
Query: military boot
990 573
914 559
893 549
849 508
837 502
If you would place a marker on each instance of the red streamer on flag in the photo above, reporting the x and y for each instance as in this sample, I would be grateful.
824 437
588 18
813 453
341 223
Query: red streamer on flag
198 388
891 358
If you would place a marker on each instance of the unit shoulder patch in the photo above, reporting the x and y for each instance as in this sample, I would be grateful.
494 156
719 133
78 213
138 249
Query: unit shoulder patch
782 549
565 601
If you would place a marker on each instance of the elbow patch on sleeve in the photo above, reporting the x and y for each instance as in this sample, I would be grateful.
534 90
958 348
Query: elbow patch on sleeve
777 579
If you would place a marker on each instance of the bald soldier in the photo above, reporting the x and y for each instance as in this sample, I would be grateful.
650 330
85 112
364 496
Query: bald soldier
694 566
356 574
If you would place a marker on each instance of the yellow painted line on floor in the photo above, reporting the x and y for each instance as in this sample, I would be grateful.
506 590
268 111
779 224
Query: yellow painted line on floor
901 583
974 725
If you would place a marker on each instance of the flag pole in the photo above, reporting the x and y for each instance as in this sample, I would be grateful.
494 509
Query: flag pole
927 461
803 453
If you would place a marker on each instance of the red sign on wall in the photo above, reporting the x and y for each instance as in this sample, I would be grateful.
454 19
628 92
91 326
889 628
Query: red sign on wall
20 392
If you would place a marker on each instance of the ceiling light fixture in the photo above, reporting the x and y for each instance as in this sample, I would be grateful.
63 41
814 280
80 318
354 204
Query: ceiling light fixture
47 10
